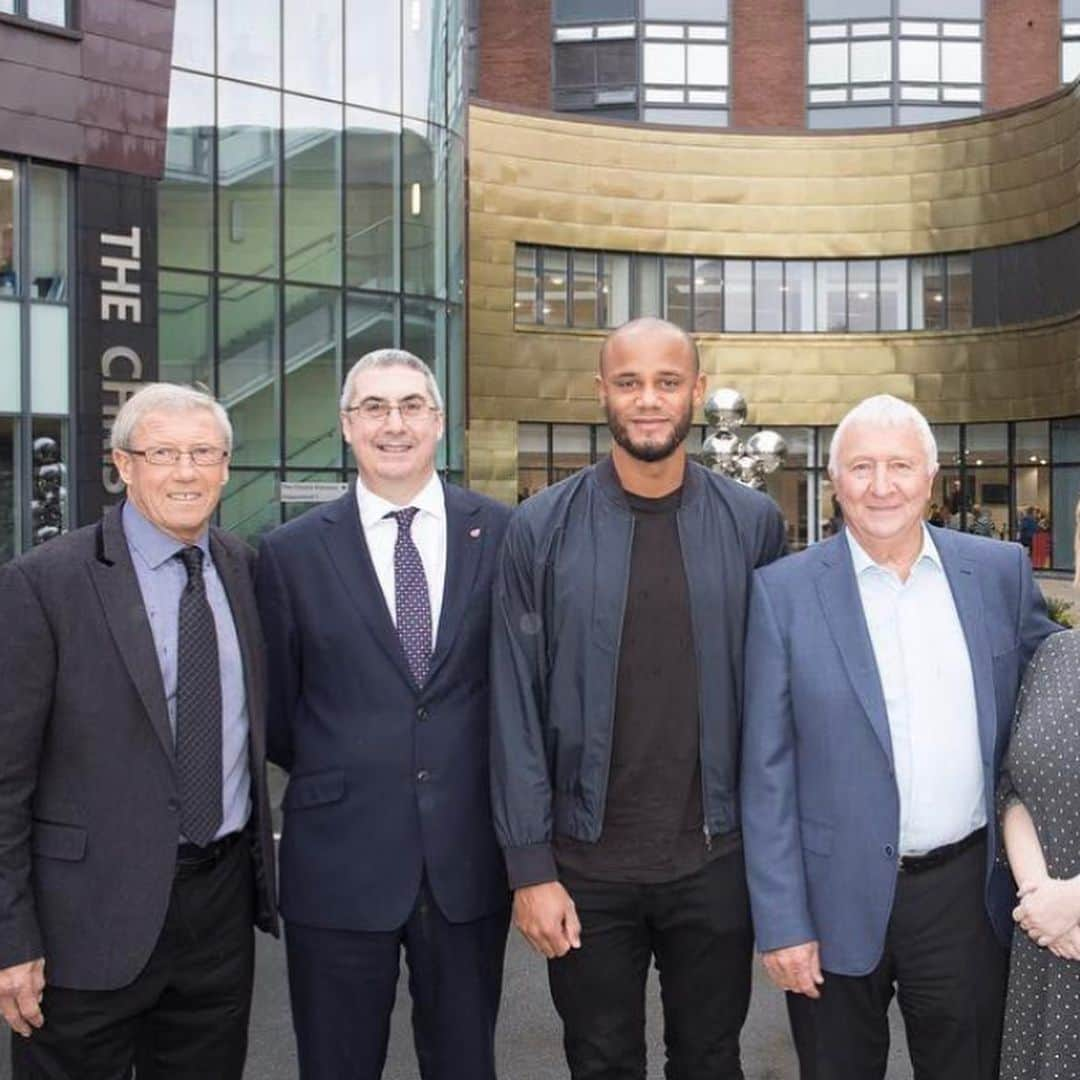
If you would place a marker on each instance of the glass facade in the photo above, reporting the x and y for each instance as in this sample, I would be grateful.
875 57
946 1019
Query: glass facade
35 353
660 61
1070 40
1012 481
600 289
878 63
312 210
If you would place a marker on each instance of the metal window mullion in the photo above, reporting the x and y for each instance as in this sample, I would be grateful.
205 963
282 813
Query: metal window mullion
279 285
73 364
25 449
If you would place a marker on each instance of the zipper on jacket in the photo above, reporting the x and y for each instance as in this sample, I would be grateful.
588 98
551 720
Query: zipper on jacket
615 675
697 661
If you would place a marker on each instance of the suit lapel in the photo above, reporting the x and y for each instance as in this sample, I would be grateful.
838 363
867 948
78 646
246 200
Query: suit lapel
348 551
963 580
838 592
465 542
122 602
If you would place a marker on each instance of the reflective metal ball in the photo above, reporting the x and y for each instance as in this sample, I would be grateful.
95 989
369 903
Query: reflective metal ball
726 408
769 448
720 449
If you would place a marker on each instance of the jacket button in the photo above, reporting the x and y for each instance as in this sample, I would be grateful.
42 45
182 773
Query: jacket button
889 851
174 805
421 713
423 776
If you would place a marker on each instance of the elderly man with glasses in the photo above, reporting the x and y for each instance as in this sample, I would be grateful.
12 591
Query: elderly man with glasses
135 844
376 610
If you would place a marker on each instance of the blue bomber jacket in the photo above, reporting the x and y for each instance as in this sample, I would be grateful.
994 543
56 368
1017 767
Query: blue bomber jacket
560 597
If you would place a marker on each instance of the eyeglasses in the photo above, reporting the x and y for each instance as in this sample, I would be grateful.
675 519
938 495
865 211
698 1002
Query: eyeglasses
170 455
411 408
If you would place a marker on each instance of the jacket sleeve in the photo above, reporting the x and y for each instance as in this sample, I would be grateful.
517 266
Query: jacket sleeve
770 812
27 674
282 656
520 782
772 535
1035 625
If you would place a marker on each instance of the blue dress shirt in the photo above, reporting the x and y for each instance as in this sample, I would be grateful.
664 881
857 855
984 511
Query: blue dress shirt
161 580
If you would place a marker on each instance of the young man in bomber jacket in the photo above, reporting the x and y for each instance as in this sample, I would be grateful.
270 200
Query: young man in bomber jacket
616 680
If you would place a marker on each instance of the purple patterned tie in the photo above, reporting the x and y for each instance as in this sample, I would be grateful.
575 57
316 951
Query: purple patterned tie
198 708
412 602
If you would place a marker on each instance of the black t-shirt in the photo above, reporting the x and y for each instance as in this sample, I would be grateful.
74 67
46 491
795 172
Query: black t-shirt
653 827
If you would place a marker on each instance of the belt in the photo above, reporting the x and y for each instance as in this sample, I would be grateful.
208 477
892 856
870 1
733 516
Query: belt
915 864
192 859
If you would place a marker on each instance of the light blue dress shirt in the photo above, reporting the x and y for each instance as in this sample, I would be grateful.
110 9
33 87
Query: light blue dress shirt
161 580
925 670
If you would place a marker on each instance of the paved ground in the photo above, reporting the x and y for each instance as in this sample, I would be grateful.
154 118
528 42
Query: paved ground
529 1036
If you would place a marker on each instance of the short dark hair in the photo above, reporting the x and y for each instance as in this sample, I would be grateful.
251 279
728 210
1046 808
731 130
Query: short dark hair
650 322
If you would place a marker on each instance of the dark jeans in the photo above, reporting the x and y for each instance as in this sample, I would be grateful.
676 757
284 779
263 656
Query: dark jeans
342 986
948 970
185 1017
698 930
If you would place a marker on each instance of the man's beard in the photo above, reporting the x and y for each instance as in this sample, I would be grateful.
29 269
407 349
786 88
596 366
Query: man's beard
651 451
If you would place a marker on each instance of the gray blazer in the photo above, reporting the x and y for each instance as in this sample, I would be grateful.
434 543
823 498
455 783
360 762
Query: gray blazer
89 806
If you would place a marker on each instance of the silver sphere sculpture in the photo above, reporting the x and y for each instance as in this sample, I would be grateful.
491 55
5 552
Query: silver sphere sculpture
726 409
724 452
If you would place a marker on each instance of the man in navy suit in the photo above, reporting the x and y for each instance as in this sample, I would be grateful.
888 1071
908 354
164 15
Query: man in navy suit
882 672
376 610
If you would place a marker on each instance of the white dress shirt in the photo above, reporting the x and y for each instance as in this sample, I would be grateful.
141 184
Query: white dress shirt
428 533
925 670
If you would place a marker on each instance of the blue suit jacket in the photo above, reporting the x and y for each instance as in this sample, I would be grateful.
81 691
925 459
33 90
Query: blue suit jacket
821 815
386 779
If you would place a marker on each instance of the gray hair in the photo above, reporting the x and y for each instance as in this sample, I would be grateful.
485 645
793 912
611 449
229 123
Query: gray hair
884 410
388 358
168 398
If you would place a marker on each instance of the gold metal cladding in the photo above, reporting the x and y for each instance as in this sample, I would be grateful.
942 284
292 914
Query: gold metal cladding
543 179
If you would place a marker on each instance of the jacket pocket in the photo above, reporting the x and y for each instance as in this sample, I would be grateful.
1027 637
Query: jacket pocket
52 841
816 837
314 789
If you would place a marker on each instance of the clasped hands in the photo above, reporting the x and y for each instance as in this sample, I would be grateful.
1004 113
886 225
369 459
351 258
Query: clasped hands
1049 912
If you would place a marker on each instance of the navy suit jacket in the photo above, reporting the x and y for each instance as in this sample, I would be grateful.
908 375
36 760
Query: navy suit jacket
387 779
820 809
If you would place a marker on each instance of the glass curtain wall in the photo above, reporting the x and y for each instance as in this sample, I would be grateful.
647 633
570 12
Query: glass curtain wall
312 210
35 353
1008 481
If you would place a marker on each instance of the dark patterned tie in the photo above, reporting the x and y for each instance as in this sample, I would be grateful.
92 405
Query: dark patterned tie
198 708
412 603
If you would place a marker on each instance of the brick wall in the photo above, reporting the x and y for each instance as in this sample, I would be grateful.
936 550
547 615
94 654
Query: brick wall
515 52
1022 52
94 95
768 74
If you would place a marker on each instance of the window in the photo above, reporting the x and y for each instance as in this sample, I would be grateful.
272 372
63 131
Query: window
684 60
854 81
54 12
35 334
1070 40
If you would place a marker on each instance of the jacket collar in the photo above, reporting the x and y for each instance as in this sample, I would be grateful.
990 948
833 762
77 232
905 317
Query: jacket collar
607 480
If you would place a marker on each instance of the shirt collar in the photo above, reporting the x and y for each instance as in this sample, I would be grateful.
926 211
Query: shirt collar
862 561
428 500
155 548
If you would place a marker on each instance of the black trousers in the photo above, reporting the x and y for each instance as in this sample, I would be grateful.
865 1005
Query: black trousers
342 987
698 931
948 970
185 1016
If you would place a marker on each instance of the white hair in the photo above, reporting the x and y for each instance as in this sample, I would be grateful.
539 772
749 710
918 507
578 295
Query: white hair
884 410
167 398
387 358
